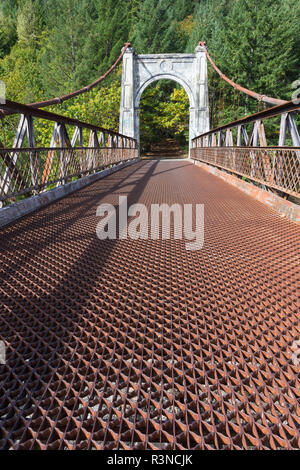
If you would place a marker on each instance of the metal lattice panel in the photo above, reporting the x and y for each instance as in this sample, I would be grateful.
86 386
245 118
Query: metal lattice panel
142 344
277 167
32 171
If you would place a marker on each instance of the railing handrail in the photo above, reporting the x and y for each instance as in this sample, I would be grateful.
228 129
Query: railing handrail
20 108
274 168
33 170
255 147
41 149
288 107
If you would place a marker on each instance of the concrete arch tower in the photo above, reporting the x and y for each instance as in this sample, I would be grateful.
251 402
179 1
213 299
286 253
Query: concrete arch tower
139 71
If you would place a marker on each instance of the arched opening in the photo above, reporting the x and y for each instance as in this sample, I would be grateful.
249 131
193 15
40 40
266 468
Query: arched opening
163 106
139 71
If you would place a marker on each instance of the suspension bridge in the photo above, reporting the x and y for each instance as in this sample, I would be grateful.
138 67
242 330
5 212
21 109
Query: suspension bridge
142 344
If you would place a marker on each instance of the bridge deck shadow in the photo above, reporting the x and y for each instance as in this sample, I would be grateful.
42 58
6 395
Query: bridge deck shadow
115 343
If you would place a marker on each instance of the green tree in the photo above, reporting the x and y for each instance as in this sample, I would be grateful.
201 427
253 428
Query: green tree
265 57
62 50
109 32
208 25
154 31
20 69
49 48
30 21
8 20
254 43
164 112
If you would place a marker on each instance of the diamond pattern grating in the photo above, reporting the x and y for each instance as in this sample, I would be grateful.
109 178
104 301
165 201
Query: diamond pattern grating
123 344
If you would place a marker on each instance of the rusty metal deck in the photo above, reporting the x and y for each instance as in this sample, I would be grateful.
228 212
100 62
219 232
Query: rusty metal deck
141 344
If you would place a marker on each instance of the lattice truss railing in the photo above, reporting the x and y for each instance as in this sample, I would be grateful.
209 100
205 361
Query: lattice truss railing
31 170
243 145
277 168
232 148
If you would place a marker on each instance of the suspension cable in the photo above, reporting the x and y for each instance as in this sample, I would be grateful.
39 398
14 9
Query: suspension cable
61 99
253 94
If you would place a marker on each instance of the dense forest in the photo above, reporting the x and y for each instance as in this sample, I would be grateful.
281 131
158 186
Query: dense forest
52 47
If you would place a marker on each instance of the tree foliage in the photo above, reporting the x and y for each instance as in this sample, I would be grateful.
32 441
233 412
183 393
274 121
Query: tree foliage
49 48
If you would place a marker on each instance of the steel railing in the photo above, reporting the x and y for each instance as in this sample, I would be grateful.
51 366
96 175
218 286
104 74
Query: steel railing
275 167
28 171
31 170
230 147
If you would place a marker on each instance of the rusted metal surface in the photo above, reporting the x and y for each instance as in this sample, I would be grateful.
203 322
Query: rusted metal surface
285 208
276 167
126 344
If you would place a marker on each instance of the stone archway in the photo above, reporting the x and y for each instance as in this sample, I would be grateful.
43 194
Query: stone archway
139 71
